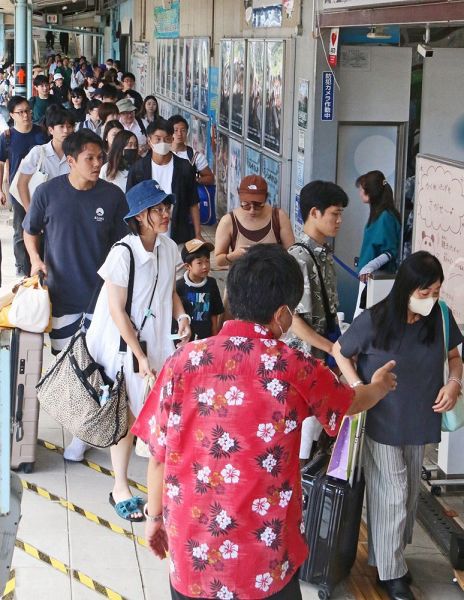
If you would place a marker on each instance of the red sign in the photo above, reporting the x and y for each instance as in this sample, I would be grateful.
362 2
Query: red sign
20 74
333 48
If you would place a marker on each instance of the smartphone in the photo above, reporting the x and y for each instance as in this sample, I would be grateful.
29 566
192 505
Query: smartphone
135 362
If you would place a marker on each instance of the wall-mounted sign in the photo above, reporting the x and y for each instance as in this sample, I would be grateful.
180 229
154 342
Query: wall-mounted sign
341 4
333 46
51 19
327 108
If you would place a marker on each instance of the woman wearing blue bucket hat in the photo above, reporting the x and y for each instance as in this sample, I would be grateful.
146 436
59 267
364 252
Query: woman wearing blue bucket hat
148 330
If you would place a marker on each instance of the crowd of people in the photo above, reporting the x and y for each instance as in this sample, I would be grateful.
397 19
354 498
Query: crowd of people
249 389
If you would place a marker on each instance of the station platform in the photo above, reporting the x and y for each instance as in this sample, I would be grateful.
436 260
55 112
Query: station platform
71 545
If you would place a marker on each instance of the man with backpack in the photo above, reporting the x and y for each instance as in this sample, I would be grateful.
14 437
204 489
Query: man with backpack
15 144
203 173
42 101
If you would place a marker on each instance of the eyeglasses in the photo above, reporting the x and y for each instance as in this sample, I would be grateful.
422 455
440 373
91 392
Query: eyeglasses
255 205
160 209
22 112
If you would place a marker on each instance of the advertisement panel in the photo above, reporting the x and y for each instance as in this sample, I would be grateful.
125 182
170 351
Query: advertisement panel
274 91
254 127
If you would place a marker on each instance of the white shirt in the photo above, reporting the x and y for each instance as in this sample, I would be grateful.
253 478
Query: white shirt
135 129
120 180
163 175
103 335
52 164
200 159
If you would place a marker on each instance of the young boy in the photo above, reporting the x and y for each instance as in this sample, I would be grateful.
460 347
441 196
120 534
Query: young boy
321 205
42 101
93 121
198 292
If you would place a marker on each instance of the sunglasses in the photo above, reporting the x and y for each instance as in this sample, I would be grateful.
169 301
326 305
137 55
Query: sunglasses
255 205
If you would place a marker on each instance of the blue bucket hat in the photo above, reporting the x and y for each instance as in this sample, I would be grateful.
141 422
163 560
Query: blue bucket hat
144 195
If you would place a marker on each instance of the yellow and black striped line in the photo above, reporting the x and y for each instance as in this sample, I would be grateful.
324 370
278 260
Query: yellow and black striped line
66 570
92 465
90 516
9 591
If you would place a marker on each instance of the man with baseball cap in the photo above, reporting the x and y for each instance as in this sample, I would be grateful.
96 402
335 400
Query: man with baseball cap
199 292
129 121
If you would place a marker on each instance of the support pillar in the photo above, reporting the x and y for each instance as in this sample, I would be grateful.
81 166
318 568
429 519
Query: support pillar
20 47
30 51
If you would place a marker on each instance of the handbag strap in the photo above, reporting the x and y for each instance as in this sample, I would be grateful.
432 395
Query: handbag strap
148 312
446 325
41 159
130 290
330 317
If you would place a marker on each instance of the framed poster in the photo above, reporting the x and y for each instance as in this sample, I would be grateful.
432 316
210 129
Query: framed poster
180 72
254 129
303 94
224 99
158 68
163 68
193 131
235 173
274 91
238 86
168 67
222 173
271 173
196 74
201 137
252 162
175 46
188 72
204 76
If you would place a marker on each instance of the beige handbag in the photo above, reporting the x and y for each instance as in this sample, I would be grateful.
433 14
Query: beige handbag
37 178
141 448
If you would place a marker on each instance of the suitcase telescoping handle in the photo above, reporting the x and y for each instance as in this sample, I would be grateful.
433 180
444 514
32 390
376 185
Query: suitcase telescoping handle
19 413
358 448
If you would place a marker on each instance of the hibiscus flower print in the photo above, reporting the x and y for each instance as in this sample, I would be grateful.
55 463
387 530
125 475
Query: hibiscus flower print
238 343
263 582
161 439
205 398
268 361
290 425
223 443
221 522
261 329
173 420
230 474
221 591
152 424
199 554
260 506
198 358
284 569
271 460
270 343
173 488
276 387
270 534
202 481
284 496
234 396
266 431
228 550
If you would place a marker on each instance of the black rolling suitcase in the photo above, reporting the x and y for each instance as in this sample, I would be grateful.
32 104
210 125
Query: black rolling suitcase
332 517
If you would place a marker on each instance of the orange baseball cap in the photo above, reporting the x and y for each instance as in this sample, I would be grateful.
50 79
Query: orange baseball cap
253 187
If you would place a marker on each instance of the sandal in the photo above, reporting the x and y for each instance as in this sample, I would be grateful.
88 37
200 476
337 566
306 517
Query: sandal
126 508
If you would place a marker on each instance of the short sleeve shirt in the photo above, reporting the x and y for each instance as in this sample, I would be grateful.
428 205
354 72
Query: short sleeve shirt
225 418
79 226
200 159
311 305
19 144
163 175
404 416
200 302
51 163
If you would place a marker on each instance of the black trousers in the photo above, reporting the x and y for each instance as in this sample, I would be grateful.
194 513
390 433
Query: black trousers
291 591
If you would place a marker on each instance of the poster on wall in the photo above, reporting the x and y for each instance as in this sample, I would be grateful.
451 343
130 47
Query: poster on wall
224 100
201 136
271 173
168 67
204 78
235 173
188 72
252 162
213 107
238 86
140 66
180 72
175 46
158 68
274 91
255 90
303 94
267 16
196 74
167 21
222 170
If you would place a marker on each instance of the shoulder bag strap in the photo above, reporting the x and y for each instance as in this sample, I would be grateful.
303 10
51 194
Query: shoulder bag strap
130 290
445 318
233 240
41 158
330 317
276 223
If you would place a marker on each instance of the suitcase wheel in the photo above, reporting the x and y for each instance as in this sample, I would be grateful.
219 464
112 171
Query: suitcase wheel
28 467
435 490
323 595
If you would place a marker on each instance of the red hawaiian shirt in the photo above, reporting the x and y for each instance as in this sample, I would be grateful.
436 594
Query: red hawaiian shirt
225 417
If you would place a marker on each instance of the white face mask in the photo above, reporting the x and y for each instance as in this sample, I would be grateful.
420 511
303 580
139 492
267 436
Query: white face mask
422 306
161 148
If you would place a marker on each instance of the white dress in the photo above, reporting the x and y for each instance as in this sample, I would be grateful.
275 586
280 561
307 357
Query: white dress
103 335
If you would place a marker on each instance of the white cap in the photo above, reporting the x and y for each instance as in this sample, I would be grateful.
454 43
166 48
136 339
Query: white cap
57 76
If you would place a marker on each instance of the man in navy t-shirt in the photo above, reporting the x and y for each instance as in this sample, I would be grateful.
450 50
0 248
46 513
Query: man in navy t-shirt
81 217
15 143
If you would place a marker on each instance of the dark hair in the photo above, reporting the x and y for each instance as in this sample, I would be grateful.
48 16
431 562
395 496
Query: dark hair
106 109
75 143
176 119
15 101
263 279
57 115
94 103
389 317
162 124
39 79
380 194
202 252
128 74
321 195
120 141
79 93
143 112
134 225
110 125
108 91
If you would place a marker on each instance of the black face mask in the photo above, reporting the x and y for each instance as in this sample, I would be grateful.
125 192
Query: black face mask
129 156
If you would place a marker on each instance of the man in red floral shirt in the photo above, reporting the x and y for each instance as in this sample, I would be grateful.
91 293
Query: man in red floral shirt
223 425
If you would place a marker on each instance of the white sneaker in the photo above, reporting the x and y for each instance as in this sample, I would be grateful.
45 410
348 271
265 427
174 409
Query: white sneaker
76 449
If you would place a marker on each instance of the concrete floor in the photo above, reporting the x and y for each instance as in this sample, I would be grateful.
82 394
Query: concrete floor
96 553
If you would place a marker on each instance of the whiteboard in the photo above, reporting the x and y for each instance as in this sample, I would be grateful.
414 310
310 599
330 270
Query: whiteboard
439 223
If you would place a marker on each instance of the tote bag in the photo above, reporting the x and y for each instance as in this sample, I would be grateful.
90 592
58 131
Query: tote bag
453 419
37 178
